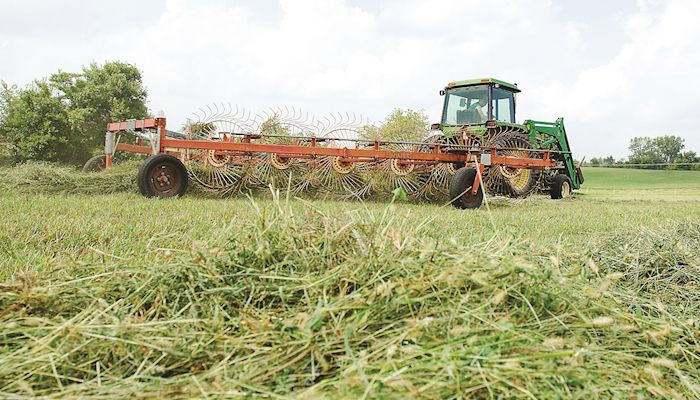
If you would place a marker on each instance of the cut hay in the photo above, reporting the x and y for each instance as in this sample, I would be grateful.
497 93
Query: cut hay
48 178
306 304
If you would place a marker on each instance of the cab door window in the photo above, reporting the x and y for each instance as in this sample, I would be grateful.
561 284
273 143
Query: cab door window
503 106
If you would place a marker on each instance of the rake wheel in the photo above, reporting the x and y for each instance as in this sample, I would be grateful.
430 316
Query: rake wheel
95 164
213 171
334 175
401 169
434 179
346 180
342 167
505 180
219 178
280 162
281 172
389 175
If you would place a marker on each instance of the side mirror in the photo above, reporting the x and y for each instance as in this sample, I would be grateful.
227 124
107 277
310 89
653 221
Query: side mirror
462 102
435 127
442 93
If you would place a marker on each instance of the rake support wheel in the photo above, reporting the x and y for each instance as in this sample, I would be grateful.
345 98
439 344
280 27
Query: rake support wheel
461 185
95 164
162 175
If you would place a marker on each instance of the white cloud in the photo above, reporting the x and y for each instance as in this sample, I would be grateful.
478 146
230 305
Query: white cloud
648 89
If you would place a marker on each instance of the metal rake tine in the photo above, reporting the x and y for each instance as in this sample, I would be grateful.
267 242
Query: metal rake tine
223 107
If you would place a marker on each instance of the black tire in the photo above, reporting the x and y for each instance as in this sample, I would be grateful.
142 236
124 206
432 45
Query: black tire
162 175
561 187
95 164
460 189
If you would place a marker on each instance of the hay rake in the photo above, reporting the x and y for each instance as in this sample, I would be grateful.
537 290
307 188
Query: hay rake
225 149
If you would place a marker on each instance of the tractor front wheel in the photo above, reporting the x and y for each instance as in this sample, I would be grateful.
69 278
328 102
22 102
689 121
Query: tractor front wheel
461 189
162 175
561 187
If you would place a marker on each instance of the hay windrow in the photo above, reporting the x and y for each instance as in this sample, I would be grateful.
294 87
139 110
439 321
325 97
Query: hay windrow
299 302
661 265
48 178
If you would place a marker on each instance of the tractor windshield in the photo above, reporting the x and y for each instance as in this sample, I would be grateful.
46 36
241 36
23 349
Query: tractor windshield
466 105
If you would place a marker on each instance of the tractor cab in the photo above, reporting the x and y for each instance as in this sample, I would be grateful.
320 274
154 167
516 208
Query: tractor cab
474 102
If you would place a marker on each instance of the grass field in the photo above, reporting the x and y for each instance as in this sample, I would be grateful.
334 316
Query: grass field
620 178
114 295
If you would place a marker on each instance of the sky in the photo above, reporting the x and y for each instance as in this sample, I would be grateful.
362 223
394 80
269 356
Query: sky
613 69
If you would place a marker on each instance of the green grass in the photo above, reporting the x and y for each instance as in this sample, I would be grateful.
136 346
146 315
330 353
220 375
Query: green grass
597 296
627 178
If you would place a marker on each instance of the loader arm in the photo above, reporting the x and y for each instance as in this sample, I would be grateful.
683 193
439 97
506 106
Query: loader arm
552 136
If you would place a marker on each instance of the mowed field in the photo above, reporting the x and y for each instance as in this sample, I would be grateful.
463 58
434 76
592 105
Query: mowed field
114 295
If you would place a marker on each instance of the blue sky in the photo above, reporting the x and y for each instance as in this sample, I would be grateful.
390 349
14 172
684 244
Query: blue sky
612 69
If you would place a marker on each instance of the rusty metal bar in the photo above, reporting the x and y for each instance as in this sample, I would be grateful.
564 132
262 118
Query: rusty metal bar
134 148
250 147
291 150
139 124
369 153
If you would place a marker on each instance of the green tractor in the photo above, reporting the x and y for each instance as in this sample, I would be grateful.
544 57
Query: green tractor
480 113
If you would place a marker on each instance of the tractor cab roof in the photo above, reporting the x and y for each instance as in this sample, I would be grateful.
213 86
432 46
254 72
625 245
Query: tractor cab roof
470 82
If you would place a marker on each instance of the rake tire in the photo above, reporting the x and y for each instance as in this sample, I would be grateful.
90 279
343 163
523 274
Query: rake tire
460 189
162 175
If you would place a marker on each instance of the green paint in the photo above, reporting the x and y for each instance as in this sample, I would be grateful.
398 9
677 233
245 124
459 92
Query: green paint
552 136
543 135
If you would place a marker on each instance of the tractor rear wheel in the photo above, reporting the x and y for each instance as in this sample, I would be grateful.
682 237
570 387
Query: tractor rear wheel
95 164
162 175
561 187
461 189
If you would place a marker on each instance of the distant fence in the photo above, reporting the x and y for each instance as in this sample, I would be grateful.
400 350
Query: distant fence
663 166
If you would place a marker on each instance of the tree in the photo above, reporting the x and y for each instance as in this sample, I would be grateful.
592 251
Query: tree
643 151
689 157
63 118
35 124
597 161
400 125
659 150
692 160
669 147
5 157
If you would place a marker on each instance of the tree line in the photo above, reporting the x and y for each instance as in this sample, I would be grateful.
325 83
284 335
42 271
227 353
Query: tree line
663 152
62 118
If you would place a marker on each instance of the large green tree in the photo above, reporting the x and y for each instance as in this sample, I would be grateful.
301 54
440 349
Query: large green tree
658 150
63 118
669 147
